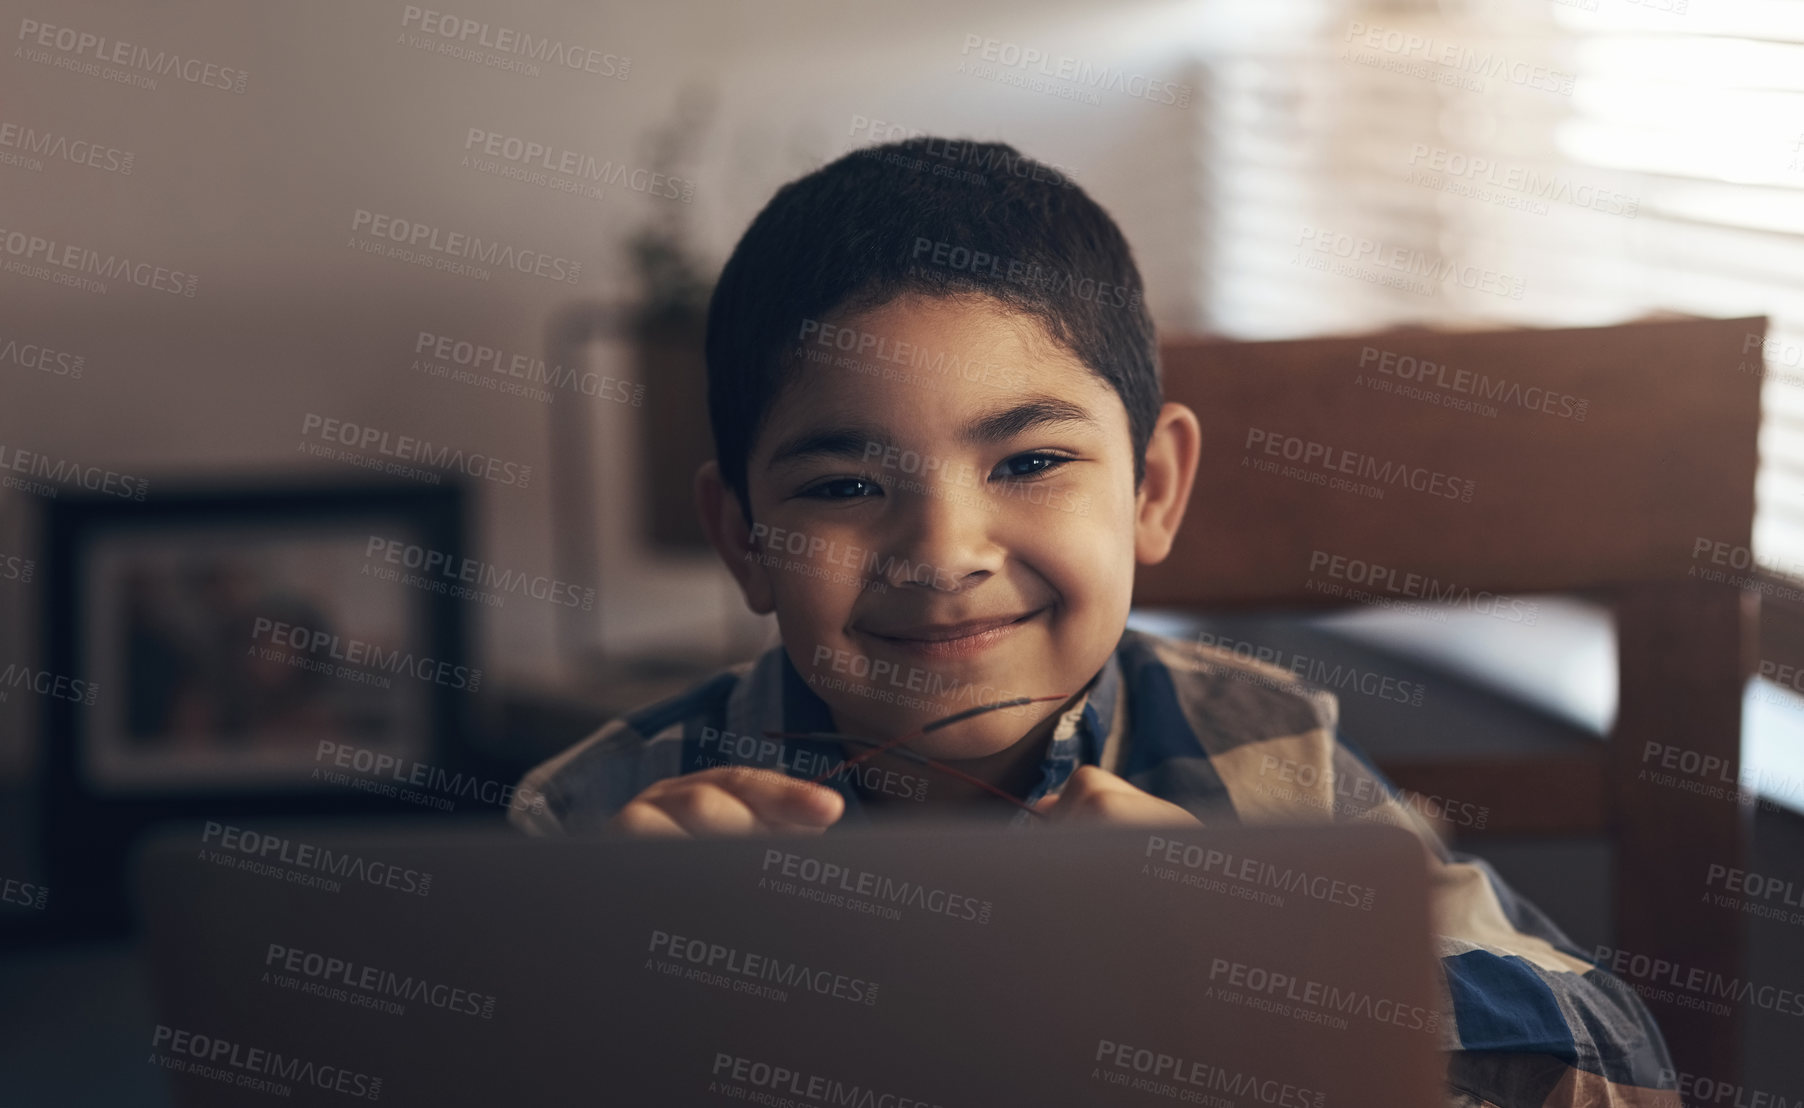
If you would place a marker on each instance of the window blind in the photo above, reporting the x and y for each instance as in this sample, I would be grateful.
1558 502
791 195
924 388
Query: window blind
1533 162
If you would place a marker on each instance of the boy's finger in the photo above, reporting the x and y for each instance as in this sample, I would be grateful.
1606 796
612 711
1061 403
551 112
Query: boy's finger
1085 782
1068 803
705 808
645 819
1096 795
777 799
797 828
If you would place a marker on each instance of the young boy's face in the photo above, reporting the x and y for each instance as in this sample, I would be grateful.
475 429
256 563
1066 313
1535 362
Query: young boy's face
934 540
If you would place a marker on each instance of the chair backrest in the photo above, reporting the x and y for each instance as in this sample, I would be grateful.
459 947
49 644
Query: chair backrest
1416 466
1506 460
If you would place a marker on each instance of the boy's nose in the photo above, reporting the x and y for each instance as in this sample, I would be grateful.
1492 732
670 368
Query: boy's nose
945 544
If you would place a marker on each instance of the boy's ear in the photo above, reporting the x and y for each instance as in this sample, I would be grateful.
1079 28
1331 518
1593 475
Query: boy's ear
1171 458
732 538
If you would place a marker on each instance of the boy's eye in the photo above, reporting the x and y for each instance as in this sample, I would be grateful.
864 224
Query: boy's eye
1029 465
842 488
1020 466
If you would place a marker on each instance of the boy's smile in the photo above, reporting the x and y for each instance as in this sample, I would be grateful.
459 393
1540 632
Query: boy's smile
962 639
948 523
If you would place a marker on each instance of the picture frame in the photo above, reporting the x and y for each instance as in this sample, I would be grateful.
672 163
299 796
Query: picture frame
223 636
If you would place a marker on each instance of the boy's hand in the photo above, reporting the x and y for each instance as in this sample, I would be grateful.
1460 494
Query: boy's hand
1094 795
729 800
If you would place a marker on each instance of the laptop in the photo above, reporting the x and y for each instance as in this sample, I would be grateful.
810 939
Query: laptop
944 967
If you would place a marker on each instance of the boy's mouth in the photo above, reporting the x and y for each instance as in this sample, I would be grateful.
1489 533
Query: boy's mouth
953 640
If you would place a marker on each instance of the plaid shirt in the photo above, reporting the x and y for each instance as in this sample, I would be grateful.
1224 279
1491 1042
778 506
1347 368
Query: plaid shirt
1233 741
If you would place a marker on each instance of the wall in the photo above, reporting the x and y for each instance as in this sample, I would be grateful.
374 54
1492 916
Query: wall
255 193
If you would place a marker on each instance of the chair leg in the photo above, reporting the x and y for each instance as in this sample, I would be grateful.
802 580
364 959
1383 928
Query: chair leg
1685 651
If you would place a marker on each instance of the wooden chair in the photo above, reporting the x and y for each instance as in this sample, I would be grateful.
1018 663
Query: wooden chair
1611 501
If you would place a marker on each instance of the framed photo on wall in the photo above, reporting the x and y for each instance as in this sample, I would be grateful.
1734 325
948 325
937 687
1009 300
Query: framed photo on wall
230 650
225 638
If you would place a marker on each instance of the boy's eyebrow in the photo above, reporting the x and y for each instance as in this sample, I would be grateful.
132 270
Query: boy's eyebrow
1036 412
835 442
998 426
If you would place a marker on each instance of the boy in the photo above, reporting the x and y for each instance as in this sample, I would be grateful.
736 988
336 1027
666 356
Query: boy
940 451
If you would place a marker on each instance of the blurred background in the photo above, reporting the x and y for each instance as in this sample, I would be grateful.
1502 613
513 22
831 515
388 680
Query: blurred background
350 376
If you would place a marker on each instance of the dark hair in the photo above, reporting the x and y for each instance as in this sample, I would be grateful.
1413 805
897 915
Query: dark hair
947 218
